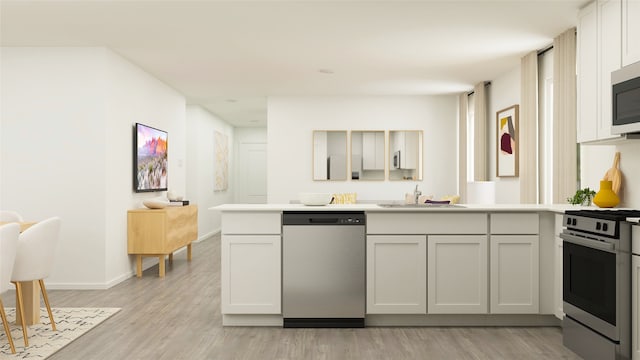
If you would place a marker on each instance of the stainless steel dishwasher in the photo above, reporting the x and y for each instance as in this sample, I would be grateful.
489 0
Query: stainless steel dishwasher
323 269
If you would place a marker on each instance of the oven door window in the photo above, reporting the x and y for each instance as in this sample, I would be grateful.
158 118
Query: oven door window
590 280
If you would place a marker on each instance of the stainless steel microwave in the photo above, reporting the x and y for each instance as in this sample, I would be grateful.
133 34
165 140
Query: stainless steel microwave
626 99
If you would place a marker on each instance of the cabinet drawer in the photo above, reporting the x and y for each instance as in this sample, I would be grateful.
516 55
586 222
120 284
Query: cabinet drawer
426 223
526 223
266 223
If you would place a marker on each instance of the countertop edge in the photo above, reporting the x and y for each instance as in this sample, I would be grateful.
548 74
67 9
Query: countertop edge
558 208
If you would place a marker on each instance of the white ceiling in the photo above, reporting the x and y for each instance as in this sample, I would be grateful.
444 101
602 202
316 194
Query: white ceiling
229 56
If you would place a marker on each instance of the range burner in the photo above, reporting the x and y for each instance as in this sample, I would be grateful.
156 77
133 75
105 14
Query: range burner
614 215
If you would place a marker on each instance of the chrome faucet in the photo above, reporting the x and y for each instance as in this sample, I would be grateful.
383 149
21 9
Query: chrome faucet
416 194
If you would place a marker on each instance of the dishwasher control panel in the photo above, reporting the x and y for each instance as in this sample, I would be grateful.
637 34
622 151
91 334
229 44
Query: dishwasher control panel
323 218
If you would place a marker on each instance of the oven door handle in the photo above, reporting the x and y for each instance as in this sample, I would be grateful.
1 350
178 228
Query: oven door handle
594 244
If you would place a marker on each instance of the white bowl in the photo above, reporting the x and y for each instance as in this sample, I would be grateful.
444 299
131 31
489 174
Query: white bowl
155 203
315 199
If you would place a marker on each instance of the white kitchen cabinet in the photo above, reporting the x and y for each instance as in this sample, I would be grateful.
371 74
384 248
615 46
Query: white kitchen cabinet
514 274
457 274
396 274
635 306
251 281
635 293
373 150
630 31
609 59
251 263
514 254
558 268
587 57
600 51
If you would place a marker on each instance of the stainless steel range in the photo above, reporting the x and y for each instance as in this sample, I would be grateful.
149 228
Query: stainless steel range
597 282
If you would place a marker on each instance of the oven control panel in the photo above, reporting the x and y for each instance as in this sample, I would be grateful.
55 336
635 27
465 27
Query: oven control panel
591 225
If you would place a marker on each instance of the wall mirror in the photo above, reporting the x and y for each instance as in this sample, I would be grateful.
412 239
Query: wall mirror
329 155
405 155
367 155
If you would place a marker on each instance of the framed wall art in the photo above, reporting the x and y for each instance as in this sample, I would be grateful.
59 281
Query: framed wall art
507 152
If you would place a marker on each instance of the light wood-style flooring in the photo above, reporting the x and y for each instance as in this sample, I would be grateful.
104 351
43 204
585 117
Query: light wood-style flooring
178 317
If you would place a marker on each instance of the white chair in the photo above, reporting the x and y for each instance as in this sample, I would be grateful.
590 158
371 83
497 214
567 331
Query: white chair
9 235
34 261
10 216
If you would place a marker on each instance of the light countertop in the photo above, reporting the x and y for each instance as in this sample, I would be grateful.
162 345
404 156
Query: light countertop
557 208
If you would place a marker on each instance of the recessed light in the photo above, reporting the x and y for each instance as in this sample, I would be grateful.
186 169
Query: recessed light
325 71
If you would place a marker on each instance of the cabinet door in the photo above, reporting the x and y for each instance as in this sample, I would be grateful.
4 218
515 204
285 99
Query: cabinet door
610 52
635 307
514 274
397 274
251 274
630 31
457 274
557 271
587 57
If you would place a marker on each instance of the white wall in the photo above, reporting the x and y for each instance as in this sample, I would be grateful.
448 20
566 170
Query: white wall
201 125
291 121
66 141
135 96
53 150
595 160
503 92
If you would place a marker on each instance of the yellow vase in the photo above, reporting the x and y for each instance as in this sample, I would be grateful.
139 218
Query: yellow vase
606 198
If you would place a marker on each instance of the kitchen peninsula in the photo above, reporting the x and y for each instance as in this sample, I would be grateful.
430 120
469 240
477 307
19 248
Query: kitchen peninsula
425 266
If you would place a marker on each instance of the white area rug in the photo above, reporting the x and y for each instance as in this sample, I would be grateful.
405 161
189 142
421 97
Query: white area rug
71 323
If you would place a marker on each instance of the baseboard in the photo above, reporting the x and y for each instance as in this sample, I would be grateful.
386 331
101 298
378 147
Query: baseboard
147 262
208 235
462 320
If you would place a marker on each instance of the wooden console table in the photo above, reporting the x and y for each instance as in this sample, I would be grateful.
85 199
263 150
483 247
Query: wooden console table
160 232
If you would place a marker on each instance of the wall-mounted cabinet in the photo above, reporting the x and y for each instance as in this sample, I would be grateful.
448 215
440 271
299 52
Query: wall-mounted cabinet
630 32
367 155
608 38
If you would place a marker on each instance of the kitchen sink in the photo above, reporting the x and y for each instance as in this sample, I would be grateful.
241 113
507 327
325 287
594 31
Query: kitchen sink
419 206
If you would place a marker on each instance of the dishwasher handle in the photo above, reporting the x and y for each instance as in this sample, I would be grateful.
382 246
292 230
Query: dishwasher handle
334 220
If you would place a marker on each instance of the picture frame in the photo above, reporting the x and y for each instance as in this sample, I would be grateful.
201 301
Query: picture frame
150 159
507 142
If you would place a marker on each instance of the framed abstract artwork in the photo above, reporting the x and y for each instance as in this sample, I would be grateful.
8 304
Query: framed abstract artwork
507 152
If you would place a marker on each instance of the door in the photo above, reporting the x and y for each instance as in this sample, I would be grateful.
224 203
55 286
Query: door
589 281
252 180
457 274
251 274
514 274
396 274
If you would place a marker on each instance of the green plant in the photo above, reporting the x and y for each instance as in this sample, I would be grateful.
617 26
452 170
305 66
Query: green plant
582 197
